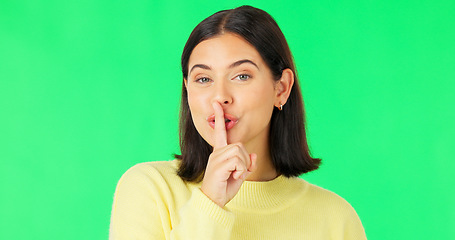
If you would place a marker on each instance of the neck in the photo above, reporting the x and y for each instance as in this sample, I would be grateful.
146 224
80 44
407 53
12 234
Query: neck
265 171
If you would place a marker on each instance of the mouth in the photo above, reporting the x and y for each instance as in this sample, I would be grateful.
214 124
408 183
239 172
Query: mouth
229 121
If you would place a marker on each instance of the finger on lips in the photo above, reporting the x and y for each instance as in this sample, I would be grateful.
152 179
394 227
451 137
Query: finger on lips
220 127
236 154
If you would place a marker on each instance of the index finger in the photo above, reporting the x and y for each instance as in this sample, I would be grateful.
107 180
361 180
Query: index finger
220 127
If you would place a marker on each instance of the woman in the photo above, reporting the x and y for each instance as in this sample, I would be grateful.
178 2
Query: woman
243 145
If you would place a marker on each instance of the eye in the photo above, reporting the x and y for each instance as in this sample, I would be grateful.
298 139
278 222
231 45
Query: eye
243 77
203 80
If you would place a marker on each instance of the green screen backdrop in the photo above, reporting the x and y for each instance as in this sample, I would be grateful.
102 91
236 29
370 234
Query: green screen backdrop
90 88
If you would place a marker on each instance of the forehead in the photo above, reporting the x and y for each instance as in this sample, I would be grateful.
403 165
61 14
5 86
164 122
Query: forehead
223 50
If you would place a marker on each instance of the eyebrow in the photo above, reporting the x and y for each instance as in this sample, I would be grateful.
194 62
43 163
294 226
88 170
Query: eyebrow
235 64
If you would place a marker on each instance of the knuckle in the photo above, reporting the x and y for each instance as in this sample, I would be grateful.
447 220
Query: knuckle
238 144
239 162
235 159
237 147
233 149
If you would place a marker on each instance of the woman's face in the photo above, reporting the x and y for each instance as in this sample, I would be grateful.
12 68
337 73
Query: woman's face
229 70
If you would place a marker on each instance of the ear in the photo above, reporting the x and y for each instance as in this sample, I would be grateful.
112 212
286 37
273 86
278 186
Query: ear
186 82
283 87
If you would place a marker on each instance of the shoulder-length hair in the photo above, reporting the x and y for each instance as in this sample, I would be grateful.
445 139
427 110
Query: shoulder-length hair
287 138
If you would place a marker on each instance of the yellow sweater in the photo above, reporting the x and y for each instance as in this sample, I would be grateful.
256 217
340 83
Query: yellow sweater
152 202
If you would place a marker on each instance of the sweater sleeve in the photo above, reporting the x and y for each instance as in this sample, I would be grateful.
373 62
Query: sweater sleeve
353 228
201 218
143 208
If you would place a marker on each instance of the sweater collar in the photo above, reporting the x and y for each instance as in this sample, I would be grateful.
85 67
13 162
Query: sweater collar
279 192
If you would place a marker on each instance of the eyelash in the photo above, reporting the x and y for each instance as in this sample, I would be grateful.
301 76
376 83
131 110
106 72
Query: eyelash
206 79
199 80
246 75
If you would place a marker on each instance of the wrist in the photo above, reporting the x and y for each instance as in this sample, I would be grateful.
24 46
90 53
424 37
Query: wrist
205 192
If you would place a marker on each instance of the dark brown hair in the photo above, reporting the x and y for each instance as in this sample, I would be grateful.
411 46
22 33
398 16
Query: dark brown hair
288 143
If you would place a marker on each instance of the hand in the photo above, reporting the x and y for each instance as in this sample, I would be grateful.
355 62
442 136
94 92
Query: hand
228 165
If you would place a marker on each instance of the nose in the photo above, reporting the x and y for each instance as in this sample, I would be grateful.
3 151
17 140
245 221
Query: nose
222 93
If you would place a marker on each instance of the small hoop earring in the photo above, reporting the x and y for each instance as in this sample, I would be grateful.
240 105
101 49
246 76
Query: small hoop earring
280 107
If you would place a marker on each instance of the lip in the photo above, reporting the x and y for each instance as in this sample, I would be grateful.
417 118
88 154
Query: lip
232 121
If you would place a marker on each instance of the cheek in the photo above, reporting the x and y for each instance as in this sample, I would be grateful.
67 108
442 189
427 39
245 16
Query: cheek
261 114
259 98
259 103
197 104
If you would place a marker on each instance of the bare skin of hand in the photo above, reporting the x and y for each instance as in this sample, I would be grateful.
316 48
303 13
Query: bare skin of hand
228 165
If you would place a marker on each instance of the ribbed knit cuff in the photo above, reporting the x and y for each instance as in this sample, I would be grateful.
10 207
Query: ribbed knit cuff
201 202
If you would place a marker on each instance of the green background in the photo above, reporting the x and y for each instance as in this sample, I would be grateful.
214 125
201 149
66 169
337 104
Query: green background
90 88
